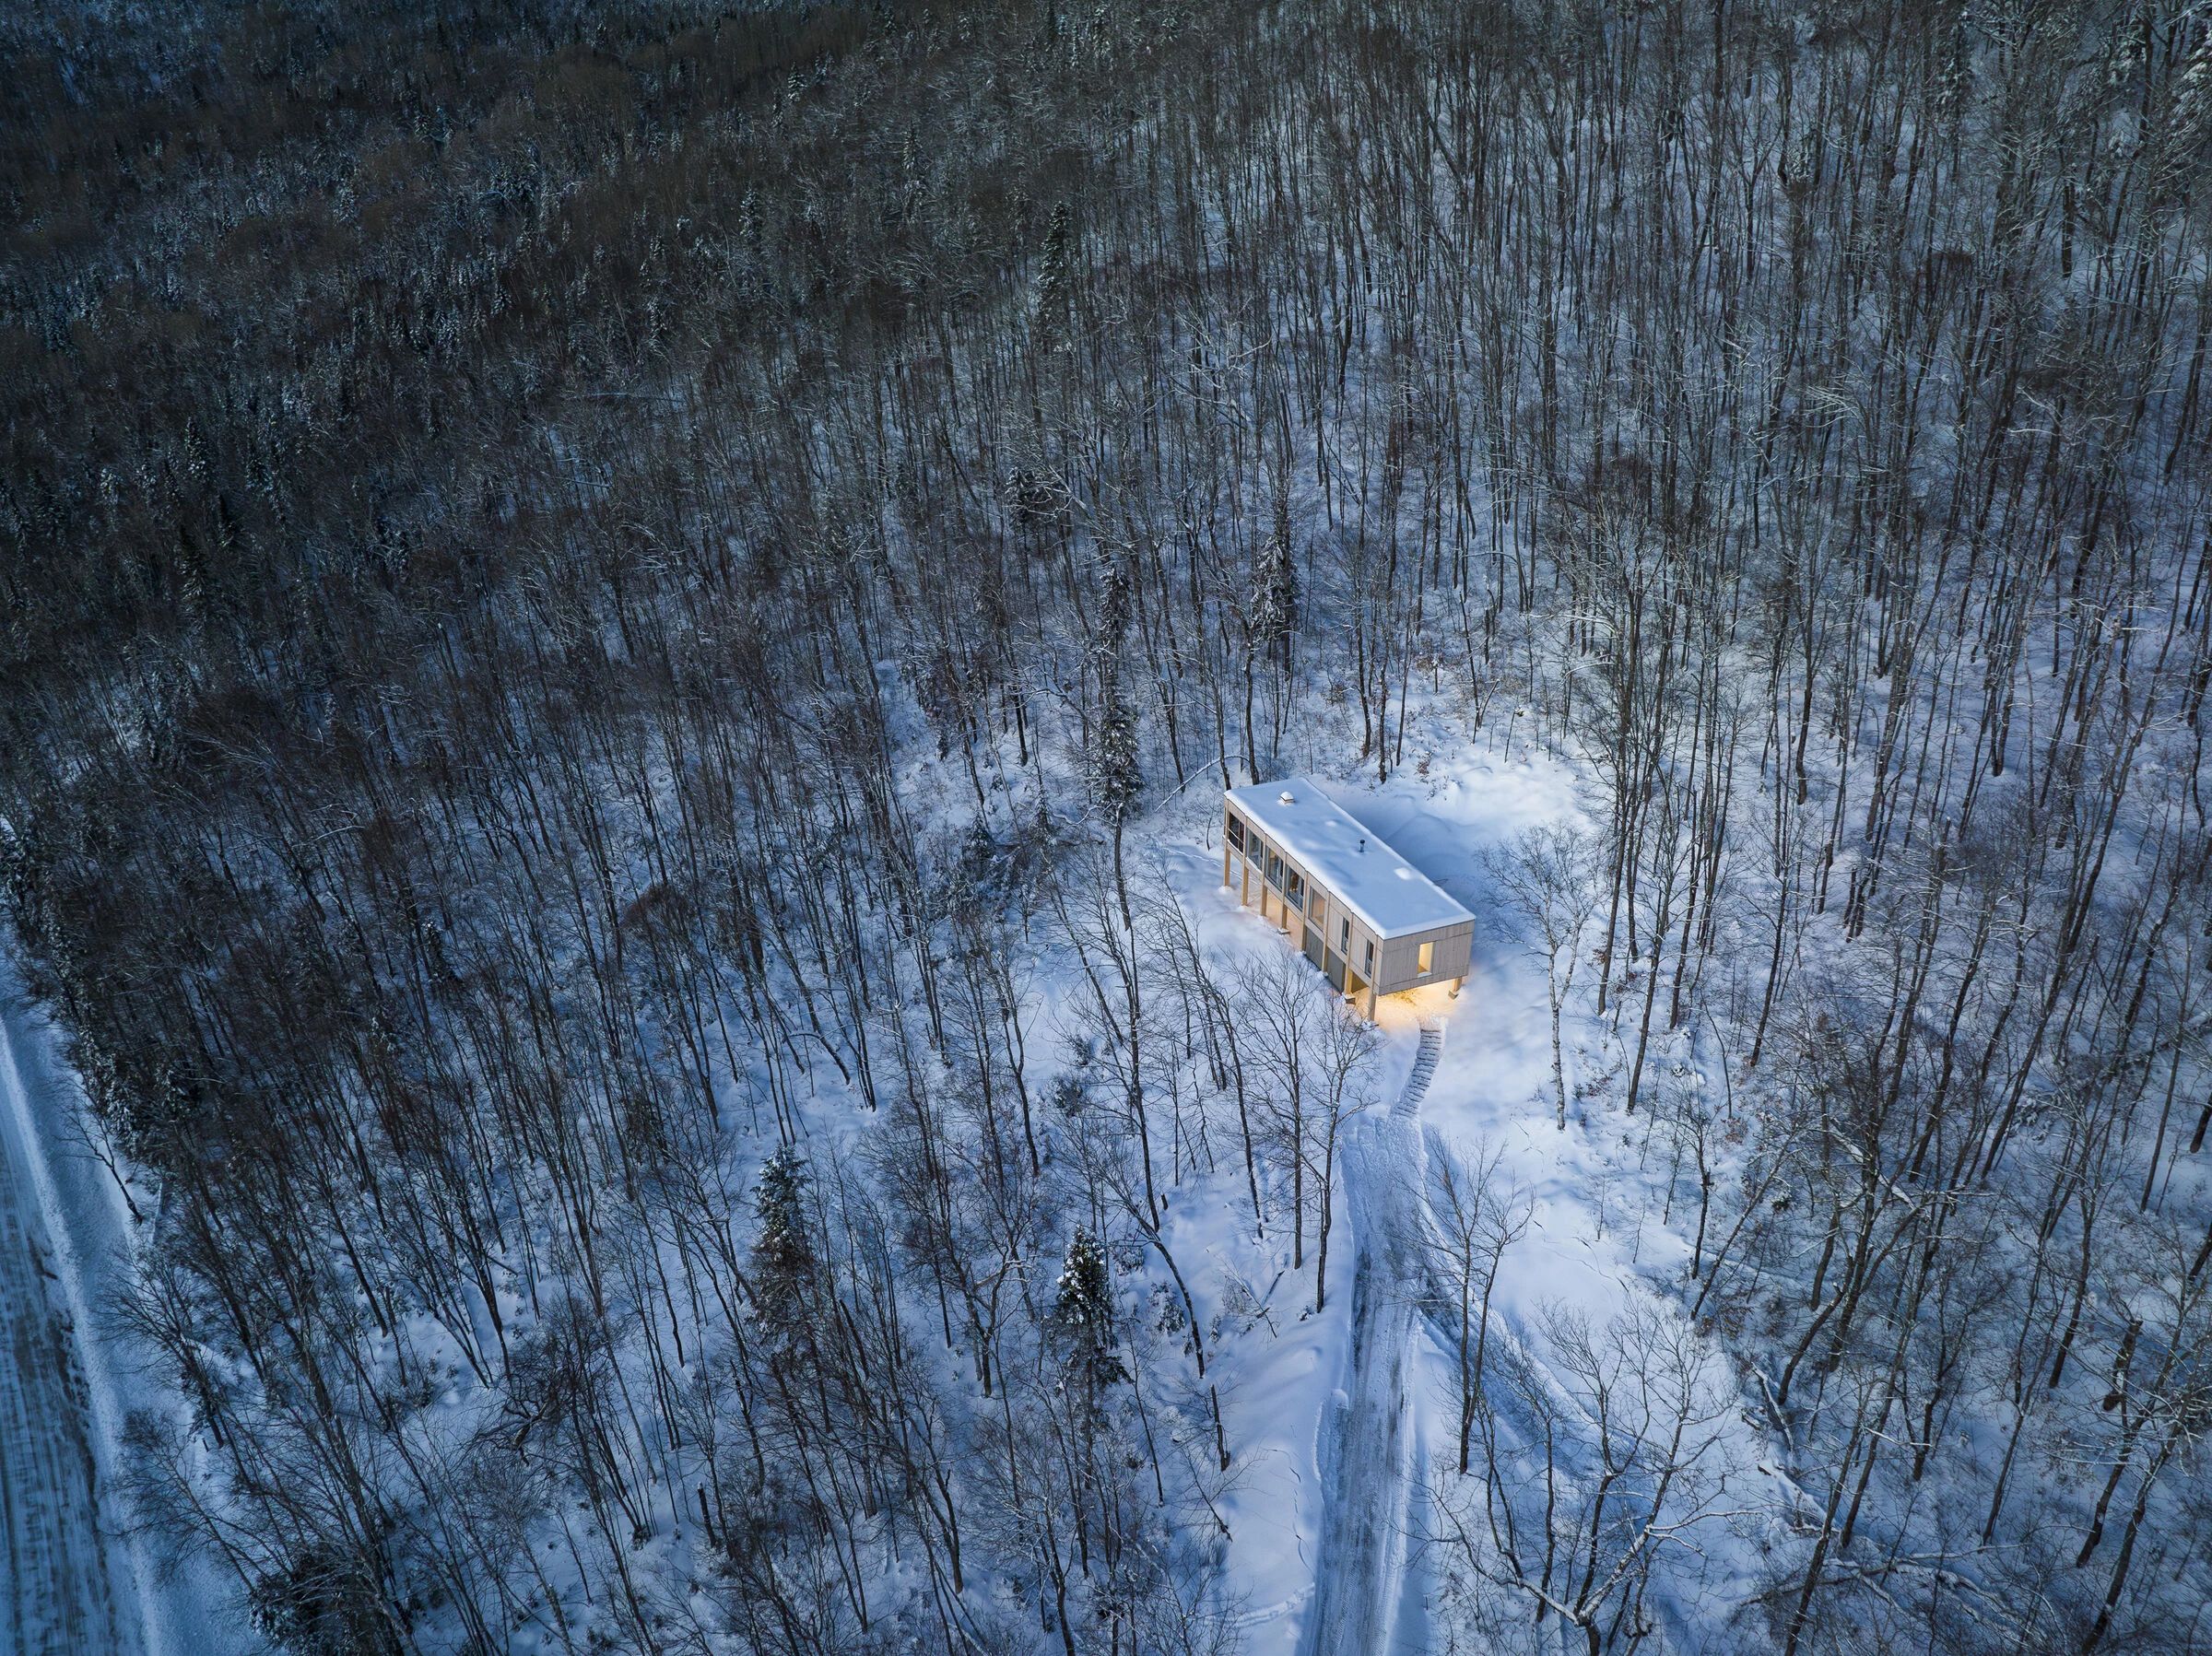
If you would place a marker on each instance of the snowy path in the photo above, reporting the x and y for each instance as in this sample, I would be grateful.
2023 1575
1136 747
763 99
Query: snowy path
55 1599
1358 1585
74 1584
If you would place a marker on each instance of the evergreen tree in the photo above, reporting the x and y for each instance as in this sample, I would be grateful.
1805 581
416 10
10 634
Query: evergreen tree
1274 592
1083 1313
783 1253
1271 623
1116 779
1053 263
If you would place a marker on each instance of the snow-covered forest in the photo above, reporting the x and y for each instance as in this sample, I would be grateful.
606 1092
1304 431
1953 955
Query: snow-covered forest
621 624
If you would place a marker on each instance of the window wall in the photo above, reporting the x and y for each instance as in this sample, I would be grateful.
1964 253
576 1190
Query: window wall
1322 928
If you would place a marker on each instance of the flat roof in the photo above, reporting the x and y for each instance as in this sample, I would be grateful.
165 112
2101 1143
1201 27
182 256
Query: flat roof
1354 861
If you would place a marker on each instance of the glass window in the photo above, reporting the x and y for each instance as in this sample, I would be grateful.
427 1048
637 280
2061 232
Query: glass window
1426 961
1275 871
1295 890
1370 967
1344 936
1319 910
1236 831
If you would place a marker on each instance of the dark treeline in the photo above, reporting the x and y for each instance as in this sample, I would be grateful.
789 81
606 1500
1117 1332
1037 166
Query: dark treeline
501 502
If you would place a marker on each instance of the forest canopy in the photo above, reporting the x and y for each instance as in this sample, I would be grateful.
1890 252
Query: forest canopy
595 594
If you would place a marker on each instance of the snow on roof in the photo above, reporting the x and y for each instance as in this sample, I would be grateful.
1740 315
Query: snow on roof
1353 862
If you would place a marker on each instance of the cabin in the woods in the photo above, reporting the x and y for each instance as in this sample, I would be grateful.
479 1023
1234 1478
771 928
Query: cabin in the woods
1368 918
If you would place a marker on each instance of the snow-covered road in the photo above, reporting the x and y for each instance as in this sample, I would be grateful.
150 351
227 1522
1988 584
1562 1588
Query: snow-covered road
55 1600
56 1597
75 1584
1358 1584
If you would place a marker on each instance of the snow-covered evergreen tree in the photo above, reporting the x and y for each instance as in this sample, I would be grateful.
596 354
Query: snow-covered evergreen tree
1117 778
783 1251
1083 1314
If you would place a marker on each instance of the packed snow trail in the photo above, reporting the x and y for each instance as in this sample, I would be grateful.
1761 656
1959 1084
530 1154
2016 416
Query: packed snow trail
1358 1581
75 1583
55 1600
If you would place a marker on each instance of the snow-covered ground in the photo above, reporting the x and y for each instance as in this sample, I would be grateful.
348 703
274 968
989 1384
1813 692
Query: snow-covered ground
1339 1420
1331 1523
78 1582
56 1598
1372 1432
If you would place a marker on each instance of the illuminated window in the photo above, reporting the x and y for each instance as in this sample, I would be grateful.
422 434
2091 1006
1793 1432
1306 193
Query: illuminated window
1426 961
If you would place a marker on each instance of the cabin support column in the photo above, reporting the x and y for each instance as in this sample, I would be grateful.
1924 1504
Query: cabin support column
1455 984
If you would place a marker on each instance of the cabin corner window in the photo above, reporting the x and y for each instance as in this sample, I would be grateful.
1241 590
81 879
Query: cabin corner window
1344 936
1369 960
1235 832
1425 962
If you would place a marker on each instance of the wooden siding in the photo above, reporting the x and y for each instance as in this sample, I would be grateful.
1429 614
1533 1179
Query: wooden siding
1398 965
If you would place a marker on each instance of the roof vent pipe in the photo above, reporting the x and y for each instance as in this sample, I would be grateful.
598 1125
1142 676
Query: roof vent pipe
1287 797
1363 845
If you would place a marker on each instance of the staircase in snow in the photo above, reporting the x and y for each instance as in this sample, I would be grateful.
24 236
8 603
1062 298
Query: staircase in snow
1424 1068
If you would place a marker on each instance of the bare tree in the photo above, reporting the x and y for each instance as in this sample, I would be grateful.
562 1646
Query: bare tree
1549 878
1476 1223
1613 1459
1345 1049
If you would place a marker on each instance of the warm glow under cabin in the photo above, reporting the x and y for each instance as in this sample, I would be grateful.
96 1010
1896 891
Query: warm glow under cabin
1368 918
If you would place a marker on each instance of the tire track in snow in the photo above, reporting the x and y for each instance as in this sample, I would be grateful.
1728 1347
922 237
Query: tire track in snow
1358 1579
56 1600
68 1376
